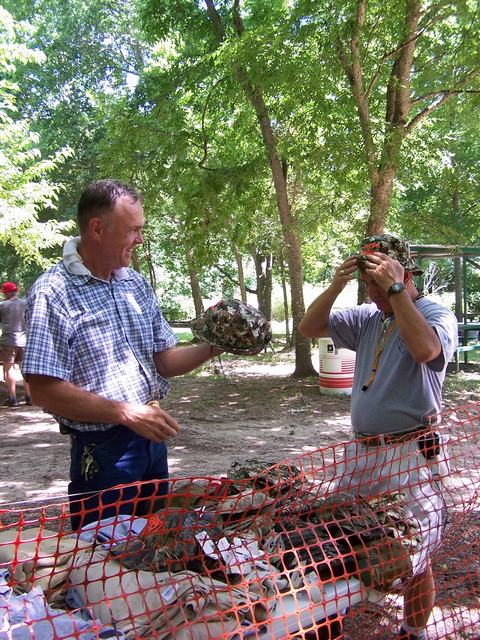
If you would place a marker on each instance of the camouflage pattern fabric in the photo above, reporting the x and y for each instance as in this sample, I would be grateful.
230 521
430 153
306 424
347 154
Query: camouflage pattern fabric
344 536
309 549
392 246
261 475
398 522
168 540
383 561
345 515
233 326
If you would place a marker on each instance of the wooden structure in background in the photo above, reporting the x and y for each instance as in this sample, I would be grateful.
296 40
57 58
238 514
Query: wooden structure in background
461 256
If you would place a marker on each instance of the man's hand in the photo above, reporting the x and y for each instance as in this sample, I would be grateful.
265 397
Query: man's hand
314 323
384 269
345 272
150 421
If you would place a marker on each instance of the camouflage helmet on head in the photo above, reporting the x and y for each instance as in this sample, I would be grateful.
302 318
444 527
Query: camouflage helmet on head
392 246
233 326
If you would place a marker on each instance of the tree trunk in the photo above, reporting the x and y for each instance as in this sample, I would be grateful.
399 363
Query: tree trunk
263 271
303 360
457 265
380 201
382 162
194 285
458 284
241 274
286 312
135 261
147 249
268 287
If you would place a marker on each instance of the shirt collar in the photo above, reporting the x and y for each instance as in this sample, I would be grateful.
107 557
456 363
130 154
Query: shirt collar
74 264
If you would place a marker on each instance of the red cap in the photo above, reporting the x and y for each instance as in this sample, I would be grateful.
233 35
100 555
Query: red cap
9 287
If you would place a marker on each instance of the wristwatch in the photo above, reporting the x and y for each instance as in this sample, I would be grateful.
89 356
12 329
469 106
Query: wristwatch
396 287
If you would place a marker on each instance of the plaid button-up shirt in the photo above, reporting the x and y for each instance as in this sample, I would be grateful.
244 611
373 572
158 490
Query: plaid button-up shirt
98 335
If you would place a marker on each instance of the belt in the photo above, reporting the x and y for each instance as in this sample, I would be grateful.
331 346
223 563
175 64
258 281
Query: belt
64 430
379 440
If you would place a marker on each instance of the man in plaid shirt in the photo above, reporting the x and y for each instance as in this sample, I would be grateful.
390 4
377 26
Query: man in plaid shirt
98 352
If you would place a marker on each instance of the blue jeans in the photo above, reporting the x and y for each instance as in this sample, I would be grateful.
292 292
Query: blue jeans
120 457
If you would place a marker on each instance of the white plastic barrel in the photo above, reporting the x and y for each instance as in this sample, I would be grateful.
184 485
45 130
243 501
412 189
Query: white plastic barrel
337 367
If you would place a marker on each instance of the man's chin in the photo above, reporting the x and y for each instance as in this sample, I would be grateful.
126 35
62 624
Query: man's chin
384 307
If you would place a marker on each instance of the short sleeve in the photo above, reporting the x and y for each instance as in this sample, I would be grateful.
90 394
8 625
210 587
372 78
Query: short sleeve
164 337
344 326
444 322
48 330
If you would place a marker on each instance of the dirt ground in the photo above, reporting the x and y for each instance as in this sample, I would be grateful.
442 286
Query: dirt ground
249 408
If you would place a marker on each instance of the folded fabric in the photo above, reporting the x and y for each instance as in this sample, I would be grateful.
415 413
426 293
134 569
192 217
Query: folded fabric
241 503
38 556
262 474
170 537
113 530
137 602
28 616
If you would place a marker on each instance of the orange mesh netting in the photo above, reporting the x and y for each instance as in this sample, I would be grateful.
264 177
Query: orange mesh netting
288 550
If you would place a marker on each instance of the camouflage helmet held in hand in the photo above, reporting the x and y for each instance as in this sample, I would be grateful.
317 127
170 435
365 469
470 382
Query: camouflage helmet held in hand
392 246
233 326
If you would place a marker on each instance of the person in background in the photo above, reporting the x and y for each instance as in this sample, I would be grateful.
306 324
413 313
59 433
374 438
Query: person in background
403 343
12 340
99 355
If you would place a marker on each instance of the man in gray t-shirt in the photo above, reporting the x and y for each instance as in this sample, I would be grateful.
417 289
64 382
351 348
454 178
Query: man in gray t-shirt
403 343
12 340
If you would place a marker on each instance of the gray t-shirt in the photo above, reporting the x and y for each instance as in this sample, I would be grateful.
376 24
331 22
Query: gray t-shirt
12 319
404 392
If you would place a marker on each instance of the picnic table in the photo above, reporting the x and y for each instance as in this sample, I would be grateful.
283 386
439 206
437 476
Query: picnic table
466 344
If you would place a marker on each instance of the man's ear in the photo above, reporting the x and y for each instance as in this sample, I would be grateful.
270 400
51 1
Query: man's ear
96 226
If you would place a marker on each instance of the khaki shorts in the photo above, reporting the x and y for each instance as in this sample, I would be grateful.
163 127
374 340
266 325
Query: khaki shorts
400 467
12 355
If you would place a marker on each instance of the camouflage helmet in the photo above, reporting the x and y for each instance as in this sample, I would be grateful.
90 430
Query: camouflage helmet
233 326
392 246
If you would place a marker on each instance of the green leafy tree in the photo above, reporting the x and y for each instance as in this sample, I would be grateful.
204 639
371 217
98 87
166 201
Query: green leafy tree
25 187
403 61
440 189
228 35
89 49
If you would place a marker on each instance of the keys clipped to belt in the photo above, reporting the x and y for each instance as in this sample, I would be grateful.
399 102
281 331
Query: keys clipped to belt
89 466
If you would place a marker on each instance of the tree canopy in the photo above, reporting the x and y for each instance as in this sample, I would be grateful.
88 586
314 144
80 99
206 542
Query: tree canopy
264 136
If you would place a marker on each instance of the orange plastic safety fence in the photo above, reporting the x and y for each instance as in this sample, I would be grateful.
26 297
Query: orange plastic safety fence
335 543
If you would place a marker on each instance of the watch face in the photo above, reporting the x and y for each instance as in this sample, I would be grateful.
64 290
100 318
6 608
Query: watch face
397 287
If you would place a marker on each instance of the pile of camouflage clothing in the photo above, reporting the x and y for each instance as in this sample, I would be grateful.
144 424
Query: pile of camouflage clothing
222 555
304 535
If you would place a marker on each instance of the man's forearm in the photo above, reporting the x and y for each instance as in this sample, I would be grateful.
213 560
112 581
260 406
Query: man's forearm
180 360
420 338
69 401
314 323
